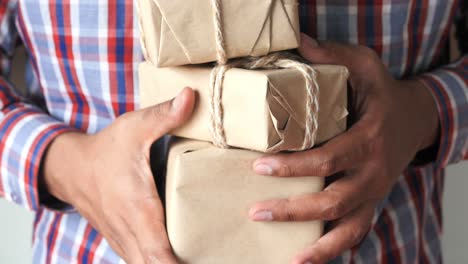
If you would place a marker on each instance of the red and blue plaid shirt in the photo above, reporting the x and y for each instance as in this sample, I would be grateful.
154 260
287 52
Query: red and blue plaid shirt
83 57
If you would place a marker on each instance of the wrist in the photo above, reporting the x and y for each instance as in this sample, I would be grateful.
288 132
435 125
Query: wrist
425 114
64 161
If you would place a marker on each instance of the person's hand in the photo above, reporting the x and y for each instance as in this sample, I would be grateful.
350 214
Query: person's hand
107 178
394 120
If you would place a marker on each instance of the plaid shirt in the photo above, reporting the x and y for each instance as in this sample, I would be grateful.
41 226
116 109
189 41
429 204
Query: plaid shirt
83 57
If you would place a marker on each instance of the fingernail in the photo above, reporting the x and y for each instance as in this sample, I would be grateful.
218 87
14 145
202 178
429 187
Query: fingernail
263 169
263 216
177 102
309 41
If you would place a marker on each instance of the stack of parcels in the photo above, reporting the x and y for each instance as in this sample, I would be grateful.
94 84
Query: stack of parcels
209 190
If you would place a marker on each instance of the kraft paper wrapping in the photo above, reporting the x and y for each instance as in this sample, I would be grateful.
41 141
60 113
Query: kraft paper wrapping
179 32
264 110
208 195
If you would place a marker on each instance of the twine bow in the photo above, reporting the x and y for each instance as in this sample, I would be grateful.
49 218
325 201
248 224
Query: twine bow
279 60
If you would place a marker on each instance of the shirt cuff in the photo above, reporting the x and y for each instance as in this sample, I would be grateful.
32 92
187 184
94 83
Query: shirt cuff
27 132
449 89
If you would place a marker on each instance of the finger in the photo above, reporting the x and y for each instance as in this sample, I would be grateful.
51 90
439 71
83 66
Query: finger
160 119
358 59
148 226
345 152
323 52
116 234
337 200
346 234
117 247
123 238
114 239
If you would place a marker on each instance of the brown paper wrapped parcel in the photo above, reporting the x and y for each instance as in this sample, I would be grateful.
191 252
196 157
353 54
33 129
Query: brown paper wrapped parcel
264 110
179 32
209 192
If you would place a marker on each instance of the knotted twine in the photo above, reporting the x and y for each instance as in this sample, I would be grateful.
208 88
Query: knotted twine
278 60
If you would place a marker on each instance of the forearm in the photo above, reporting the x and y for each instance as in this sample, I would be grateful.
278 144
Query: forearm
64 159
424 112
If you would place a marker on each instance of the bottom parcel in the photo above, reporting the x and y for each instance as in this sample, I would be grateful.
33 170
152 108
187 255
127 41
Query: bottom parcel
208 195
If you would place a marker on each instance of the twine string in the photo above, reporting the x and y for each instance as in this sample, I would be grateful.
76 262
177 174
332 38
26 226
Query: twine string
279 60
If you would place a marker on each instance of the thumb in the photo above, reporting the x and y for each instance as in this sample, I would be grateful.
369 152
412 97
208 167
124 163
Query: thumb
323 52
161 119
